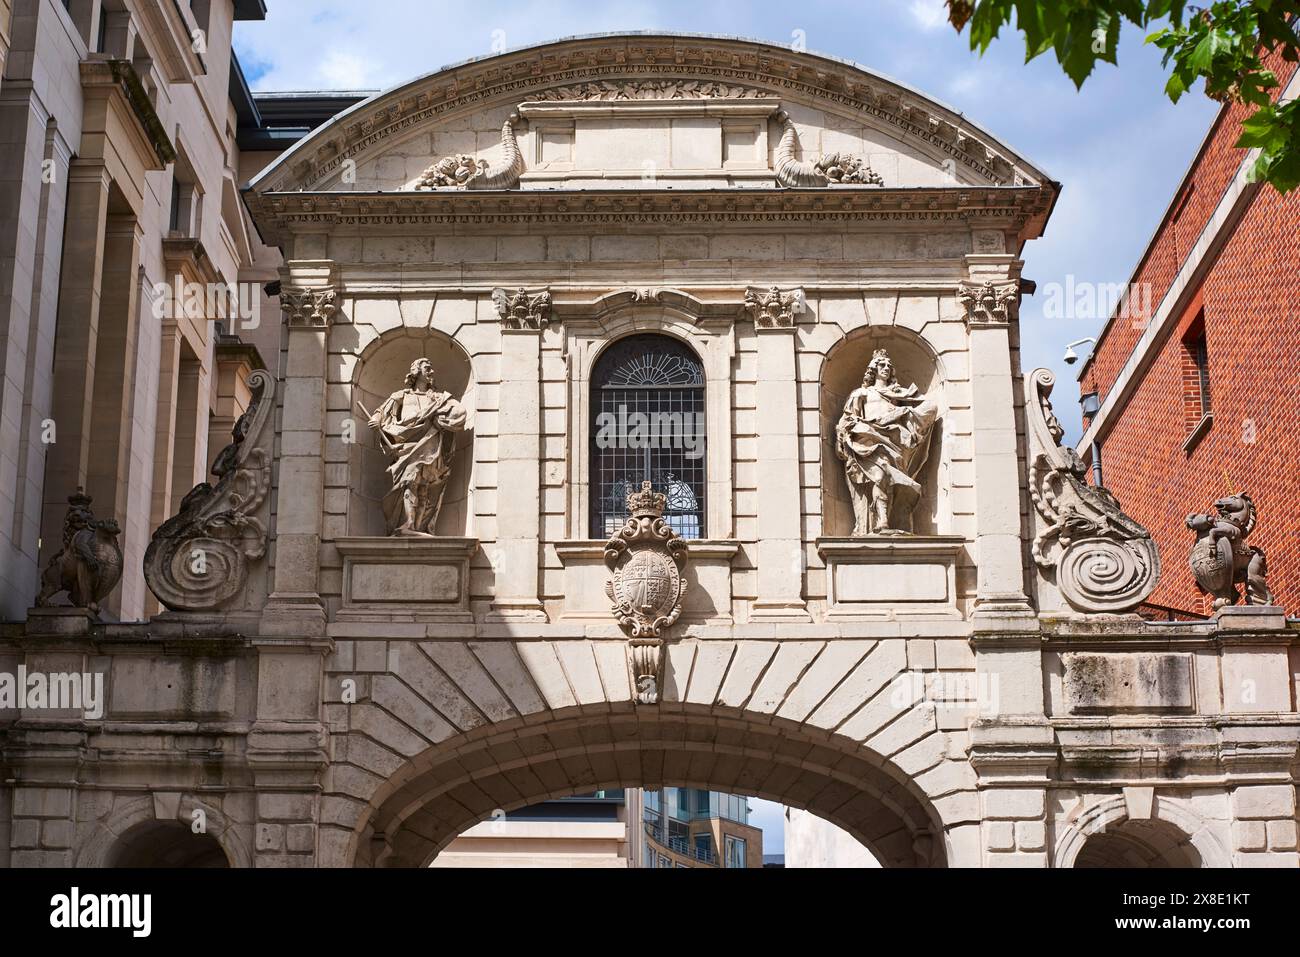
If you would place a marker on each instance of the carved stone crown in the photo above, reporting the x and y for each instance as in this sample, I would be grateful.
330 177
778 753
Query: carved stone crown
647 503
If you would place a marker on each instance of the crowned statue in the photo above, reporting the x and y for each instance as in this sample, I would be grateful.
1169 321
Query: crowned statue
416 430
883 436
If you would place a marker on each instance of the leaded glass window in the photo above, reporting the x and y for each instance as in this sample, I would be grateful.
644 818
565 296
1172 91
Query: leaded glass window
648 422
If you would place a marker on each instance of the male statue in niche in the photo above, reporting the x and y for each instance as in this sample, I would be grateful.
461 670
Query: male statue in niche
416 429
883 436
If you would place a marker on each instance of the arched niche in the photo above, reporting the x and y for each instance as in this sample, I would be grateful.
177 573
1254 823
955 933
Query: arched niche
382 371
914 362
169 844
1105 835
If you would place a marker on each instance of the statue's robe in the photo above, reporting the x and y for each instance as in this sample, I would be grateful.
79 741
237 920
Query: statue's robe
419 443
883 436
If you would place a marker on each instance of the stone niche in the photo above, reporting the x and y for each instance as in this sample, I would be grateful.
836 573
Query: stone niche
381 372
841 374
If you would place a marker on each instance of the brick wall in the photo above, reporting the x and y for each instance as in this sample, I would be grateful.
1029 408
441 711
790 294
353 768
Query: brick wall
1250 304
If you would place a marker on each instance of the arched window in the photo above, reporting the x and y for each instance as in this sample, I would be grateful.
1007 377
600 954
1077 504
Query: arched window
648 422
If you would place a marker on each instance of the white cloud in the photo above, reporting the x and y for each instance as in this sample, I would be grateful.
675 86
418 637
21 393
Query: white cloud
928 14
344 71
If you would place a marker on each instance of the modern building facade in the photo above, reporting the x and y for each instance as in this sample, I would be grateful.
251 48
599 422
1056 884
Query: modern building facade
646 412
1196 386
694 827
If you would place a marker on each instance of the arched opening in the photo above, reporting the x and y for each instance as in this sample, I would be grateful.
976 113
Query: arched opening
1143 843
440 794
381 372
166 844
648 422
842 372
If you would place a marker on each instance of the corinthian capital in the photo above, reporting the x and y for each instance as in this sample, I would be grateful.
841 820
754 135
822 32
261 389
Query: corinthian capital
309 307
989 303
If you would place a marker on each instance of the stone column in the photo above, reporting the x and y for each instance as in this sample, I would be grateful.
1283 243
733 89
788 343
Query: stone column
74 348
309 300
780 513
33 192
112 415
515 562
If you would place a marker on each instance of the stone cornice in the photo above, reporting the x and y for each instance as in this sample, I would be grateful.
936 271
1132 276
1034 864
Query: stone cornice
280 215
525 75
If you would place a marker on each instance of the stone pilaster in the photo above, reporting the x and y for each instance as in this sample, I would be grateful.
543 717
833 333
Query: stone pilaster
780 532
515 557
308 297
990 298
74 350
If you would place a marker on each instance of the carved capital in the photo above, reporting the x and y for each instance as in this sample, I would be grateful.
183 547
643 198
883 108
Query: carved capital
989 303
774 308
309 307
523 309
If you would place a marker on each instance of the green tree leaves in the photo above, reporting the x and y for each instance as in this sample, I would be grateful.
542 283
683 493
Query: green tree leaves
1222 45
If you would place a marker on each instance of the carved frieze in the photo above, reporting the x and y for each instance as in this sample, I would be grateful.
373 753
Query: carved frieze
309 307
989 302
1102 560
774 308
198 560
523 309
607 90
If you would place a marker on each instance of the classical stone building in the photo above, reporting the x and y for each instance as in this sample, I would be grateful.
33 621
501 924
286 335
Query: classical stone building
1194 376
119 199
861 578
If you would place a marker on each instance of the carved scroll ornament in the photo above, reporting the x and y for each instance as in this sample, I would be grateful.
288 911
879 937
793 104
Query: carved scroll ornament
198 560
833 169
1103 560
461 171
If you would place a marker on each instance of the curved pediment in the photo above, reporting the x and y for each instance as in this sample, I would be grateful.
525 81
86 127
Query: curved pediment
642 112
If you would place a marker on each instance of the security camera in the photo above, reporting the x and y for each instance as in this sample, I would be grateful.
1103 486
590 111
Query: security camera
1071 357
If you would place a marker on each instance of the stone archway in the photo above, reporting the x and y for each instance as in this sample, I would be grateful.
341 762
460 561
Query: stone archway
1106 835
432 798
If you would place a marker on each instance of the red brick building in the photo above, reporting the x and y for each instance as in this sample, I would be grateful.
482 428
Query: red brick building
1201 397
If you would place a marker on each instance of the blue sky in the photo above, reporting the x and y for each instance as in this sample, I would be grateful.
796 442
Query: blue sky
1118 147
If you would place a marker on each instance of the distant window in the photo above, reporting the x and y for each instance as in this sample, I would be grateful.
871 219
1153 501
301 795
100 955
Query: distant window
1196 373
735 851
1197 405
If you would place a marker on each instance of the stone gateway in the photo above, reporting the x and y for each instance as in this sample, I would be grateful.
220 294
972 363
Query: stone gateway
869 584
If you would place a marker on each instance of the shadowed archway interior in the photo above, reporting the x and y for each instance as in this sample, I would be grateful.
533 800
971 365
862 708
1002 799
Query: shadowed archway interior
167 844
436 796
1148 843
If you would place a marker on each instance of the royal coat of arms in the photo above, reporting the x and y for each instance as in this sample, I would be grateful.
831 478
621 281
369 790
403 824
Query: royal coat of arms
647 561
